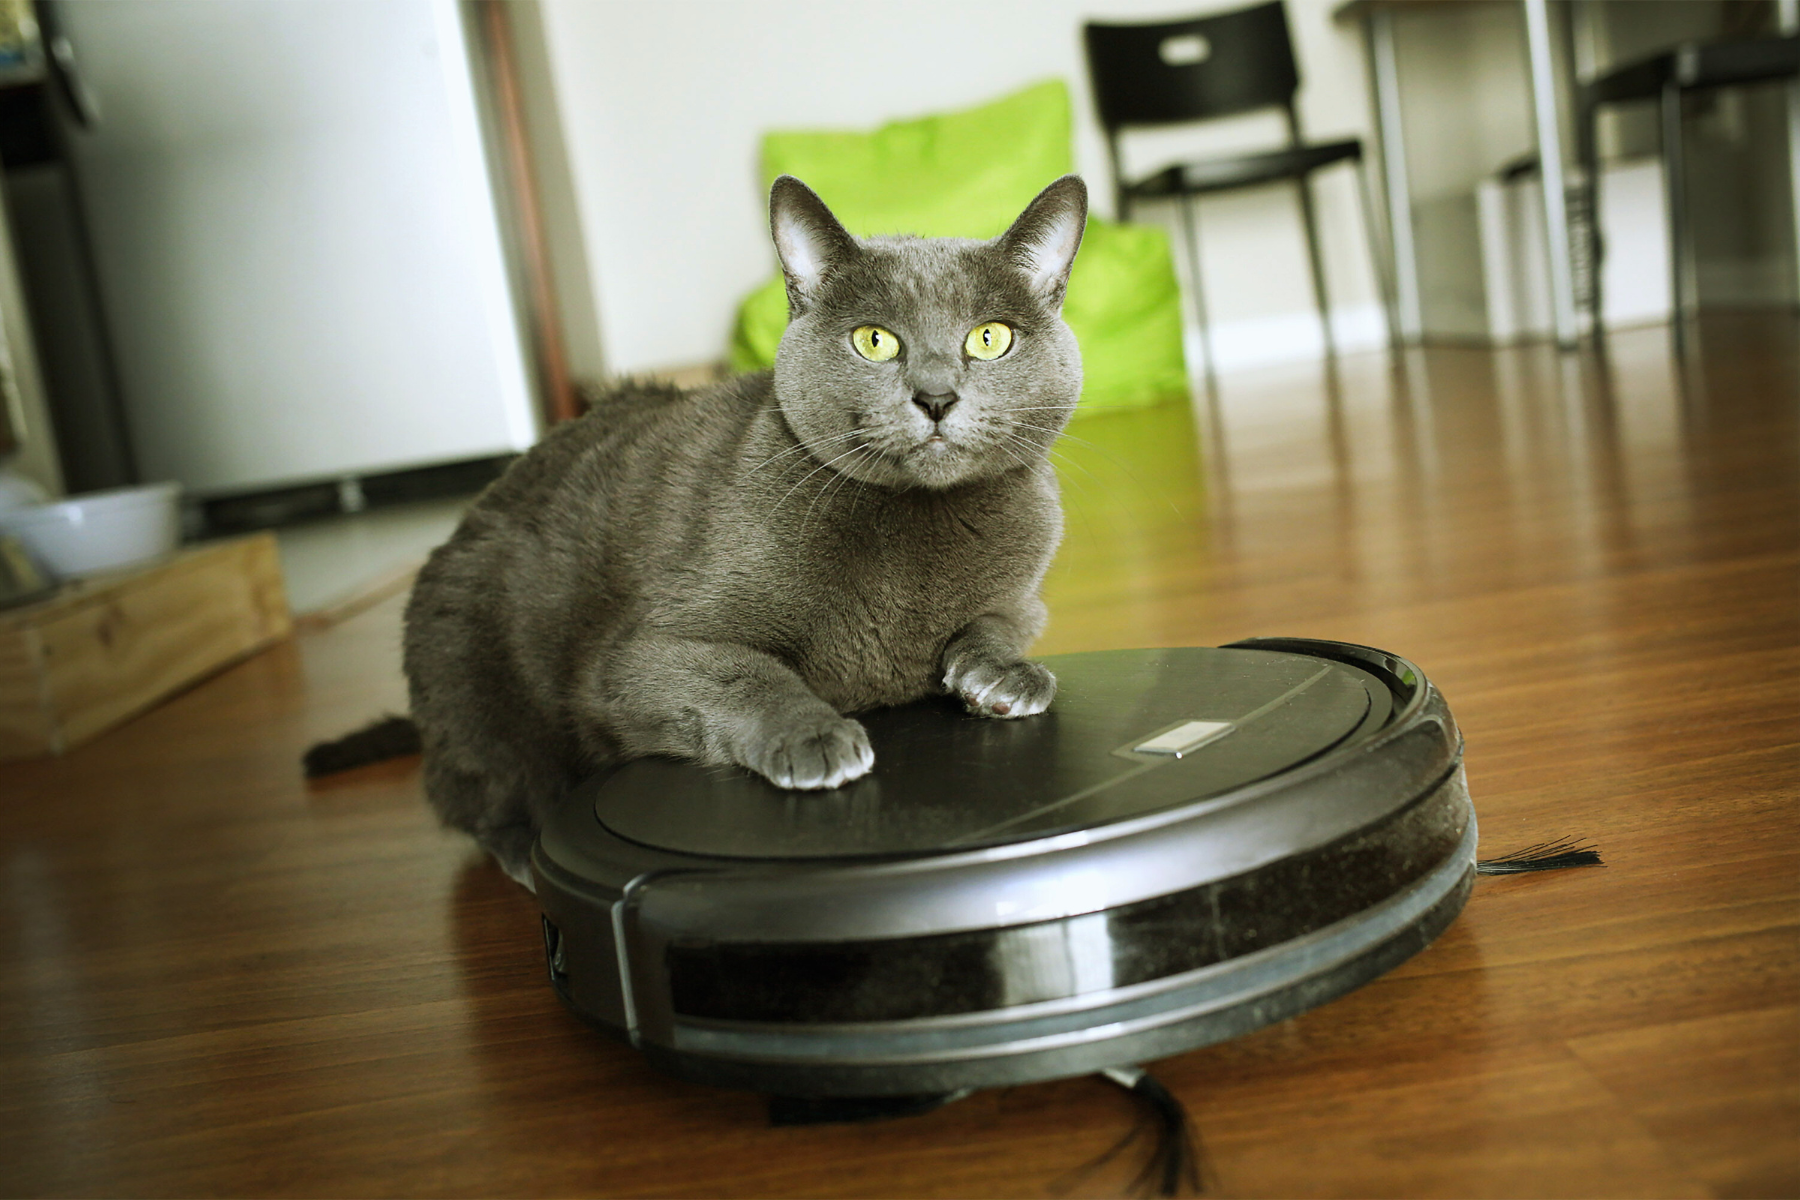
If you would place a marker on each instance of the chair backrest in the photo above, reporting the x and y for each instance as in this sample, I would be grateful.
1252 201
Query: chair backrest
1214 66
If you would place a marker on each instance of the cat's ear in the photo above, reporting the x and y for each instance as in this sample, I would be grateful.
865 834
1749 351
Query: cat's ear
808 238
1043 241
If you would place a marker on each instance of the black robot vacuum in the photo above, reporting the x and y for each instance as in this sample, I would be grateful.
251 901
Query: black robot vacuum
1189 845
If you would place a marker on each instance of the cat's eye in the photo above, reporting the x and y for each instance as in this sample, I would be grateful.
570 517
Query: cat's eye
874 343
988 340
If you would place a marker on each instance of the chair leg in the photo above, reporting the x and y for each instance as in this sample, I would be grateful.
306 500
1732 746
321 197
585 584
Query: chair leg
1191 227
1588 120
1313 258
1674 184
1121 197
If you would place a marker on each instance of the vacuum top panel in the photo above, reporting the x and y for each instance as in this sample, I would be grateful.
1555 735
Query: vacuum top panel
1130 733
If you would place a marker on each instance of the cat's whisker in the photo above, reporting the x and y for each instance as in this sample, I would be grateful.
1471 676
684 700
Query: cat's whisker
1086 488
1050 429
1137 480
1011 428
856 486
844 478
802 483
856 494
786 469
1061 456
1026 453
802 448
821 467
856 499
798 448
1029 453
1064 434
1001 442
1005 448
774 458
843 475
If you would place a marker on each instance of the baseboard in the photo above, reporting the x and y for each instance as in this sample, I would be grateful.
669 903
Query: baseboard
277 507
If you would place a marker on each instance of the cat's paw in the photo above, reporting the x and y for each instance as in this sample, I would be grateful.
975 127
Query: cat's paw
991 689
814 753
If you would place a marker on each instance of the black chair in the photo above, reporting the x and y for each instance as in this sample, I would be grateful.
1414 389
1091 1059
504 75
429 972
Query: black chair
1667 78
1200 69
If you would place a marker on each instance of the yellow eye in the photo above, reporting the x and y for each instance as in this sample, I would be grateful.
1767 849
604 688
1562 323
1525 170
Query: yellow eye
988 340
874 343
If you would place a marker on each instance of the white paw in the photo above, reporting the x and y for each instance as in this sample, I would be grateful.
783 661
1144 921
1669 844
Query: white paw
815 753
989 689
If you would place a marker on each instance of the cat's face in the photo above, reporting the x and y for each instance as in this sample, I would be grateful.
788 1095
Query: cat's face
912 362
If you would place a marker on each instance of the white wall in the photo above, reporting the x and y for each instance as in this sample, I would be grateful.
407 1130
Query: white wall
663 104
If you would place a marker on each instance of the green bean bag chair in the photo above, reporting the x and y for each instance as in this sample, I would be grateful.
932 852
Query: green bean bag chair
969 174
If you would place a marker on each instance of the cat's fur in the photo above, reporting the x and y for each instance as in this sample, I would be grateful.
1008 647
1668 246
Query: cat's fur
724 574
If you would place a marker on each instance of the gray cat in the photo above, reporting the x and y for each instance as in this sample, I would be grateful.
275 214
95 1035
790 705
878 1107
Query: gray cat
724 574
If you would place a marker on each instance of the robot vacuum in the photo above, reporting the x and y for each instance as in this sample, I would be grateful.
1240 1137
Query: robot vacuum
1189 845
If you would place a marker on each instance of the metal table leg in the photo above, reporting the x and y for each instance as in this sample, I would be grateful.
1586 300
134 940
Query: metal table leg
1788 21
1550 161
1681 271
1385 71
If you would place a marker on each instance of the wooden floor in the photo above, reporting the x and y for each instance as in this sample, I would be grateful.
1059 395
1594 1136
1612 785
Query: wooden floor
217 981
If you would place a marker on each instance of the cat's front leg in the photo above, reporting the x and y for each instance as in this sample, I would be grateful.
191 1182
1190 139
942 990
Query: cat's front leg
721 702
984 665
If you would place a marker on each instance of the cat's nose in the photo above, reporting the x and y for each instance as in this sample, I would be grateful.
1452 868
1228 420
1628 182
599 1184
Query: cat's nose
935 405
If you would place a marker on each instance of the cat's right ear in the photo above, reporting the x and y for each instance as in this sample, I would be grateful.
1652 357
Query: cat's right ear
808 238
1043 241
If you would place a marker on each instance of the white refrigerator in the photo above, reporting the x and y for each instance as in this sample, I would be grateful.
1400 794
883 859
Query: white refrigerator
296 240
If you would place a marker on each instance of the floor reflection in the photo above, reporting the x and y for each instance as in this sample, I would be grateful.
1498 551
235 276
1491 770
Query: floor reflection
1380 481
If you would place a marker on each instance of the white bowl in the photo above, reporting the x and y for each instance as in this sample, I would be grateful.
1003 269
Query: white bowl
100 531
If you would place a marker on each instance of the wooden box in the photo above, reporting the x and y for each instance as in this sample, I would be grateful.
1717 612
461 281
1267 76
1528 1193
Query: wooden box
106 648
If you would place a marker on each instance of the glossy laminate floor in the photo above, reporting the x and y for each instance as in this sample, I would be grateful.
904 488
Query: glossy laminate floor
215 980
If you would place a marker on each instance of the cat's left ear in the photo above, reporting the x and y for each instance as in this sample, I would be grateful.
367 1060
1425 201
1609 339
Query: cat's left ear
809 240
1043 241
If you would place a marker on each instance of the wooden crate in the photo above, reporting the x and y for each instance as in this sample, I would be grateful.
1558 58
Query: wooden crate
108 647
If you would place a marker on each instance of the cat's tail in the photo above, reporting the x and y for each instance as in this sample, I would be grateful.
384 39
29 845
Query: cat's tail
390 737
